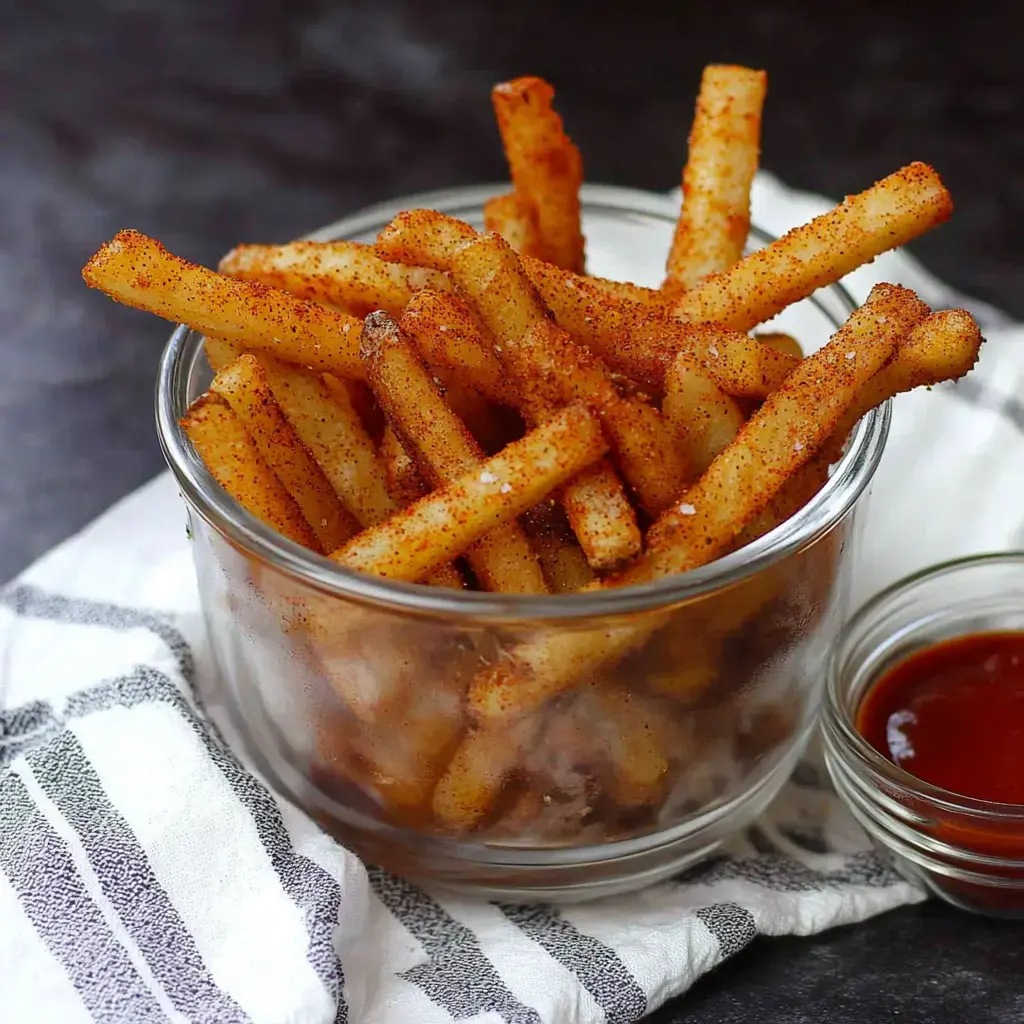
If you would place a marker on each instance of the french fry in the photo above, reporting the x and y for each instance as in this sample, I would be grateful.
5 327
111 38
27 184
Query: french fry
705 418
515 219
550 371
401 473
481 766
426 238
633 731
244 386
725 144
219 353
502 560
439 527
447 336
638 338
347 275
891 213
545 166
772 445
139 272
564 564
231 456
944 346
781 342
328 425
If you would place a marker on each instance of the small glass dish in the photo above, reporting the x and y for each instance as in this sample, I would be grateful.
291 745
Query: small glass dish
737 721
968 852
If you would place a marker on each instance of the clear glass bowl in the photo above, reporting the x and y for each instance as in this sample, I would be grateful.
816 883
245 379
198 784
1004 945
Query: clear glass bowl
968 852
629 778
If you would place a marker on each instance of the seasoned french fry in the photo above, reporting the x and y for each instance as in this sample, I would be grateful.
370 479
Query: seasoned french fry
892 212
502 560
641 340
634 730
705 418
229 453
515 219
220 352
550 371
725 144
545 166
781 342
442 525
140 272
565 565
638 338
426 238
329 426
479 769
773 444
446 335
944 346
244 386
401 474
348 275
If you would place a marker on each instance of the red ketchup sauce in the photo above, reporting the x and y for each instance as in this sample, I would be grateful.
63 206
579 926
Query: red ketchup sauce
953 715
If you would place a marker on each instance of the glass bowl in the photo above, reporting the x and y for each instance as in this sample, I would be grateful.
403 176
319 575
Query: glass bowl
641 770
968 852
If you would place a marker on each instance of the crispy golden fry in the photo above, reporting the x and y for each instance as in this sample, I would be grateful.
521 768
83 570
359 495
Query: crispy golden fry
140 272
565 565
683 665
243 384
545 166
401 473
442 525
428 238
784 343
220 352
944 346
502 560
230 455
515 219
447 336
773 444
327 423
633 735
549 370
725 145
705 418
479 769
409 748
892 212
640 339
347 275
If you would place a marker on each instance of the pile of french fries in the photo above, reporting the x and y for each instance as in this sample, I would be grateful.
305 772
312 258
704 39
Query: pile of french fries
461 409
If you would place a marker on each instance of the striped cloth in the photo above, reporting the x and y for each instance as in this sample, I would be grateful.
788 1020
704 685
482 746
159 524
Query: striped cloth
147 875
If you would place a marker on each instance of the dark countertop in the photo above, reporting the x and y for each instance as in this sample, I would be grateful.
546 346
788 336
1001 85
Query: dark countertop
207 123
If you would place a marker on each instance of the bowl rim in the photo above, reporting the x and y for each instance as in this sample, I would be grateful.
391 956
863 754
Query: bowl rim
839 724
204 495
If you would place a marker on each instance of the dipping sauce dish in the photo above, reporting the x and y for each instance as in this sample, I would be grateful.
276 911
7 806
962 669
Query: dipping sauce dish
924 728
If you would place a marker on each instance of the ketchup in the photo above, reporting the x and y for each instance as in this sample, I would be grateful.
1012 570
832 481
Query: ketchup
953 715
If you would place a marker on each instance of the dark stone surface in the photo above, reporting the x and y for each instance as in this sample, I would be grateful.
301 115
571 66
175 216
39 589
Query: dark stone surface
206 123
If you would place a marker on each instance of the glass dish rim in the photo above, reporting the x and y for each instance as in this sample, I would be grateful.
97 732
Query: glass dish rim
854 749
198 487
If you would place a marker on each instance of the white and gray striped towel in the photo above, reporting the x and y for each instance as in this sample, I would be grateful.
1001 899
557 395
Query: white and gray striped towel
147 875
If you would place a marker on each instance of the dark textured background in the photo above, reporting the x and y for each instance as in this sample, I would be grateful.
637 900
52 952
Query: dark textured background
206 123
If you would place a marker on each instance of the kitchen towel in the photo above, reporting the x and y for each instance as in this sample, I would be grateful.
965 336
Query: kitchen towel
146 874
